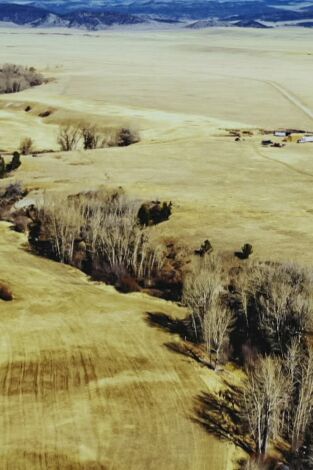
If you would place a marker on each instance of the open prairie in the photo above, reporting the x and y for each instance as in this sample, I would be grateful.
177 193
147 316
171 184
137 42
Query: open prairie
180 90
86 382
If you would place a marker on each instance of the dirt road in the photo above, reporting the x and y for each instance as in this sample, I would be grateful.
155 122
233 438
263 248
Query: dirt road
292 99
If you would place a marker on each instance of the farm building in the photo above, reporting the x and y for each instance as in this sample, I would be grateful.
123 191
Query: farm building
305 139
282 133
265 143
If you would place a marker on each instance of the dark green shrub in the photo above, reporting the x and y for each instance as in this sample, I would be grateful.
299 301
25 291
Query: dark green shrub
15 163
206 248
5 293
45 114
127 137
245 252
153 213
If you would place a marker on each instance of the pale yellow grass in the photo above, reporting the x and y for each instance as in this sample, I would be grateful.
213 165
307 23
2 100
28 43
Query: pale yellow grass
180 89
86 383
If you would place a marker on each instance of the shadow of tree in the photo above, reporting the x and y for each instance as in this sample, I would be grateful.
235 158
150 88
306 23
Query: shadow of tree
189 347
220 414
240 255
172 325
190 351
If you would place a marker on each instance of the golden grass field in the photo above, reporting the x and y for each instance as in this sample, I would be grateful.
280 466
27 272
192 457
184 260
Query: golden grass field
86 382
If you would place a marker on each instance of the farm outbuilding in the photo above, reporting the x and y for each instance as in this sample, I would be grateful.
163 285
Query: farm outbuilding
305 139
265 143
282 133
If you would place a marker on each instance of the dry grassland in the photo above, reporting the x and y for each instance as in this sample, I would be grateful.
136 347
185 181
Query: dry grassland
86 383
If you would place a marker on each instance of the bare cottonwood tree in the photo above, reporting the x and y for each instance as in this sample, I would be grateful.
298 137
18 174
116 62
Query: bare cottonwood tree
212 322
68 138
265 398
217 325
26 146
276 301
14 78
303 408
282 307
107 226
126 137
291 364
92 139
202 288
222 322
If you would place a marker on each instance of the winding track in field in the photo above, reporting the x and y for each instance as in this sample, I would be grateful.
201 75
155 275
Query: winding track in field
291 98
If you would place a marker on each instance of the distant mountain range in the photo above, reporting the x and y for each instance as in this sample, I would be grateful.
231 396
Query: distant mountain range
29 15
100 14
